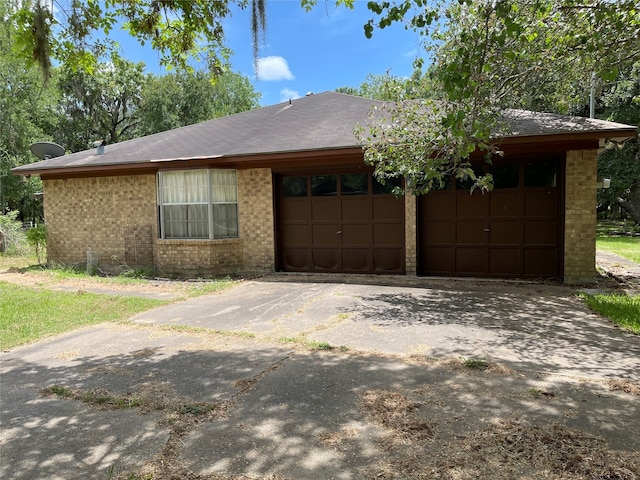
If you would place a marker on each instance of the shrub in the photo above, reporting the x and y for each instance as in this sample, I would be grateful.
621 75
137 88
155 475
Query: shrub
37 238
12 238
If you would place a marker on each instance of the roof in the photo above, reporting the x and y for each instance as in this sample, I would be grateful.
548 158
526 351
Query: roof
310 124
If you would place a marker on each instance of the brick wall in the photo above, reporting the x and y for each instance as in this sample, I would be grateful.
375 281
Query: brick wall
101 215
580 216
410 234
257 228
115 218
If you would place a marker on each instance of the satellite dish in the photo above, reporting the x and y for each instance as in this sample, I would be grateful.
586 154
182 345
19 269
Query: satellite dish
45 150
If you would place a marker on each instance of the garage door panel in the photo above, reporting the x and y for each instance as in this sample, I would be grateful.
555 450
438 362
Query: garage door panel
296 259
325 258
505 233
296 210
356 208
387 207
296 234
540 261
388 260
359 234
438 232
470 232
540 232
471 205
504 204
504 261
541 203
387 234
325 209
438 205
325 234
438 260
514 231
356 259
471 260
339 225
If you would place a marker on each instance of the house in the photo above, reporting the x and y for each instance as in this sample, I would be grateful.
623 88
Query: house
285 188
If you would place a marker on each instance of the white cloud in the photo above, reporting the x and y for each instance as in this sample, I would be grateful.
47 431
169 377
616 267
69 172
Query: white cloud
273 68
288 94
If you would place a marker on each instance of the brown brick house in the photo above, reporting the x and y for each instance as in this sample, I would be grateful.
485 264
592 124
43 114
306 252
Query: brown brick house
284 188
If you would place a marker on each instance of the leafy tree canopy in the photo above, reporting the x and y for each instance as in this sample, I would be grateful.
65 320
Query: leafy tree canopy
488 56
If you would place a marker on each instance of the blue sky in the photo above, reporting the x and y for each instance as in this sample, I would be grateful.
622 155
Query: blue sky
307 51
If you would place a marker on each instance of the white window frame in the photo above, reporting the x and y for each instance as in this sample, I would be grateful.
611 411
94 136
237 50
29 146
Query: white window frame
210 204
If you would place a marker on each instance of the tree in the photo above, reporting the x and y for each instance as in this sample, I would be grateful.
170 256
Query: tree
489 56
179 30
621 103
99 105
182 98
28 114
389 87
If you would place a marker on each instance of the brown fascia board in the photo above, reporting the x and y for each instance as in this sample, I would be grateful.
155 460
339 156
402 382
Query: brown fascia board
341 156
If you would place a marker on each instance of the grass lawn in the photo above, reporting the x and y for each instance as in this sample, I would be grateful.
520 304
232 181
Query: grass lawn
621 309
28 314
627 247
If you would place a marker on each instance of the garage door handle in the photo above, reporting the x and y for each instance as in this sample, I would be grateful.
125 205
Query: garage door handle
487 229
339 232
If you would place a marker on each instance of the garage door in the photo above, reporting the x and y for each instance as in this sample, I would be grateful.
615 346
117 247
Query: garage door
512 231
339 222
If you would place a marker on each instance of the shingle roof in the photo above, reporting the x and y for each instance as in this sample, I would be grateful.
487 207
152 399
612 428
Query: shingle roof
315 122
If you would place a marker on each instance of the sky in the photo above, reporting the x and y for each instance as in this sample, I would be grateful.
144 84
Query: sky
306 52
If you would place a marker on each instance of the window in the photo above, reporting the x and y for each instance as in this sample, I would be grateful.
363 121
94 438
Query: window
324 186
386 188
540 174
294 187
506 175
198 204
354 184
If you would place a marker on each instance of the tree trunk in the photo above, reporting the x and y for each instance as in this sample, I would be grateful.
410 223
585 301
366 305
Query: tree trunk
632 203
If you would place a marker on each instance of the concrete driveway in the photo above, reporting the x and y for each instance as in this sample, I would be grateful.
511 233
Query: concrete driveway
241 397
525 326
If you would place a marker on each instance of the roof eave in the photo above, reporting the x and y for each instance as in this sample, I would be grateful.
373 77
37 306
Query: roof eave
329 155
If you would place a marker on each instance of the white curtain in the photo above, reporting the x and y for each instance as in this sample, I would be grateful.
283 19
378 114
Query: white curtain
224 186
186 186
185 203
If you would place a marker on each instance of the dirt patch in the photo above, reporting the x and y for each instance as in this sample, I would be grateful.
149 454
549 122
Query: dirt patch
508 448
625 385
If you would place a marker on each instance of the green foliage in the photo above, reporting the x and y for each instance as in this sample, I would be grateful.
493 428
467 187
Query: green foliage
181 99
620 102
101 105
623 310
388 87
12 238
475 364
37 238
26 107
489 56
77 33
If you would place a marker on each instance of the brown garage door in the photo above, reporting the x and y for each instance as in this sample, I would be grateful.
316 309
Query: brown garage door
513 231
340 222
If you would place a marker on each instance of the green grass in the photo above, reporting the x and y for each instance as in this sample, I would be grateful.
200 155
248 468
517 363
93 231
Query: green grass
28 314
621 309
627 247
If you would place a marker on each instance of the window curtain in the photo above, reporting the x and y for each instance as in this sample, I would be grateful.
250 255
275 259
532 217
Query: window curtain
184 196
224 198
186 204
